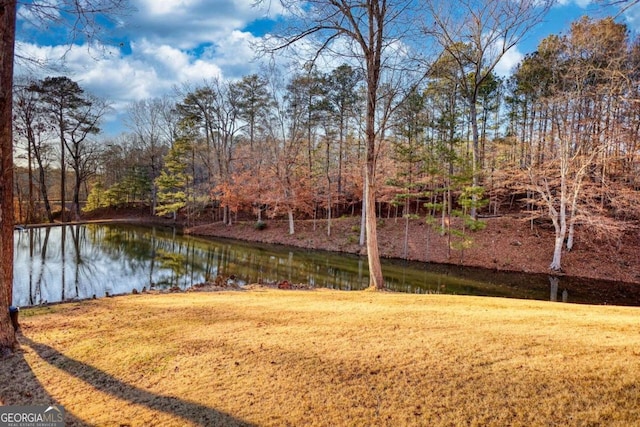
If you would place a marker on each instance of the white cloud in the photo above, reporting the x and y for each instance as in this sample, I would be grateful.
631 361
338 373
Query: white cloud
121 81
234 53
581 3
632 16
165 7
186 24
149 71
165 44
509 60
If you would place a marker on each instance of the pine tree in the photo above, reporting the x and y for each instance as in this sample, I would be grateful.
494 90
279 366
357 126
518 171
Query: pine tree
173 182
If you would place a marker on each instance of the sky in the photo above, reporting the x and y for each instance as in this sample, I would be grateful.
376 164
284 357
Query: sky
163 44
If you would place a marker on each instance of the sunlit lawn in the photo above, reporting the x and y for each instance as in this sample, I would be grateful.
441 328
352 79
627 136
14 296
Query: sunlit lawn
277 358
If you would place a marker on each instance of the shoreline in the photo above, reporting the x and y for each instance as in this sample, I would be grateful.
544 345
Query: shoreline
506 245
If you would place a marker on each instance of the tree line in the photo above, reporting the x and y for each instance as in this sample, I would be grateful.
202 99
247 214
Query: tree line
557 139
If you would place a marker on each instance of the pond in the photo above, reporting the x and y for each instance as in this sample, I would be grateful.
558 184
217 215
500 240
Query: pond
73 262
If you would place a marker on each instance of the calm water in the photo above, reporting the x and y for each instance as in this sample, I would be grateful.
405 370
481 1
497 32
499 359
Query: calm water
72 262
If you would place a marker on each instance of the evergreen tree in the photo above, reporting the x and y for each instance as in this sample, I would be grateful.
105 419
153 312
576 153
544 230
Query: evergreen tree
96 198
174 179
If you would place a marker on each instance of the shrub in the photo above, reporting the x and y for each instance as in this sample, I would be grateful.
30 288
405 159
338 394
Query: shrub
260 225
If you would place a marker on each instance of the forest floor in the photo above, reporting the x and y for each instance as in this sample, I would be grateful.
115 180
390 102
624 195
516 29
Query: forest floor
507 243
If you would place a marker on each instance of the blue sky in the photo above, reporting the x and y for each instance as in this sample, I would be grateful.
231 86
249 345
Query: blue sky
164 44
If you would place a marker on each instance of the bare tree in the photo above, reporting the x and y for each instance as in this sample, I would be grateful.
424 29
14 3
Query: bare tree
375 34
81 18
560 191
282 151
152 122
26 128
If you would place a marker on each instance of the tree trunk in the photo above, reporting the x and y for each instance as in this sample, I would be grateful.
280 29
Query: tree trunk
560 226
43 192
340 144
154 196
556 263
376 280
443 215
63 180
475 156
577 185
572 229
7 43
329 208
363 216
76 196
292 229
31 209
405 246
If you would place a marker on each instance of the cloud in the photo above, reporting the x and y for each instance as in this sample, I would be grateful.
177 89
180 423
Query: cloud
234 53
164 44
632 16
509 60
580 3
187 24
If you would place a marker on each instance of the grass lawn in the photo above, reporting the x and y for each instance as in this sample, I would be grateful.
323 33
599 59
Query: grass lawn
328 358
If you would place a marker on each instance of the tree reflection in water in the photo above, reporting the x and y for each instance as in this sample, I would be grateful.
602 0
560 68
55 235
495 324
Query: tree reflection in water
85 261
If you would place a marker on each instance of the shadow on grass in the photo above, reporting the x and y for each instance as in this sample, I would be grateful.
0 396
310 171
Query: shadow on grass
19 386
193 412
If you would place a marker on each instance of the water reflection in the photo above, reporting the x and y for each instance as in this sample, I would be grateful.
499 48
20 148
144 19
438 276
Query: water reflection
78 262
554 281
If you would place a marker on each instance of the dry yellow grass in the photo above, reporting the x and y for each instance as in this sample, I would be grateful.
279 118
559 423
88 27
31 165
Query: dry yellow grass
329 358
